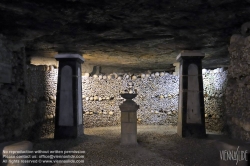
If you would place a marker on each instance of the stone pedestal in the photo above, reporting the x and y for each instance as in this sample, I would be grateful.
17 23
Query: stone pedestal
191 118
129 120
68 119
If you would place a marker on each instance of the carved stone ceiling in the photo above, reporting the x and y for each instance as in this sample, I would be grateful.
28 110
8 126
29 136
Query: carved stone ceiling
136 34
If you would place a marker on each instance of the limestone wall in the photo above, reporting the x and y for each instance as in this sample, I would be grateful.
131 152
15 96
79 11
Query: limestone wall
238 89
157 97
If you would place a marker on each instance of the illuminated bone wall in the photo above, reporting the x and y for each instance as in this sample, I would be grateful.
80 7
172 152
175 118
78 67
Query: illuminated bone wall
157 97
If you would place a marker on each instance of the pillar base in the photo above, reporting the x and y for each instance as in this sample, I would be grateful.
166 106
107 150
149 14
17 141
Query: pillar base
194 130
129 139
65 132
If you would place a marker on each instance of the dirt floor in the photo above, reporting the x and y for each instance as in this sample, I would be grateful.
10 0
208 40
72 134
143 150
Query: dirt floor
157 145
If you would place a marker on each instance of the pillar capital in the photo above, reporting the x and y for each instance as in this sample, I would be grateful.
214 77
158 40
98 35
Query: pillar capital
67 56
186 54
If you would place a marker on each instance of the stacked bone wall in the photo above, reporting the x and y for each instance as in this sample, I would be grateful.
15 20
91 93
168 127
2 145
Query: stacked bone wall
157 96
238 89
214 82
41 91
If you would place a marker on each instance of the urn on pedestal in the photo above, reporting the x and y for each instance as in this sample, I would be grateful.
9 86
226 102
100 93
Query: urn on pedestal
128 120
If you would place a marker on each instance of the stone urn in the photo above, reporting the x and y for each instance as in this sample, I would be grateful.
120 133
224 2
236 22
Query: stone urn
128 120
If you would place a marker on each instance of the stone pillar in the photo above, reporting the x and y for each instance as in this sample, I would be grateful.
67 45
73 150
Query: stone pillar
191 117
129 120
68 118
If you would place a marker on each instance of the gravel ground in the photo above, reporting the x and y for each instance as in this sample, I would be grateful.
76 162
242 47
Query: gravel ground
157 145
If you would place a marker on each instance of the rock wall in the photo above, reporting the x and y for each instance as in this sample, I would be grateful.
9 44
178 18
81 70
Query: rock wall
12 94
157 96
238 88
25 112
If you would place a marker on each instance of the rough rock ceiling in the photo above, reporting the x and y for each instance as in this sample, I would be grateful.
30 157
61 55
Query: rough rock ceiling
145 34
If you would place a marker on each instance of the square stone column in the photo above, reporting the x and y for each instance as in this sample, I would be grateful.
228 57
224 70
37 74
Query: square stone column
191 117
68 118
